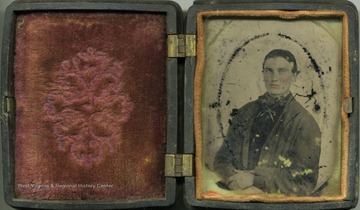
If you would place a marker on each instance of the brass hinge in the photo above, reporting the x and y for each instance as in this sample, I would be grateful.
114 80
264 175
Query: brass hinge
10 105
179 165
182 45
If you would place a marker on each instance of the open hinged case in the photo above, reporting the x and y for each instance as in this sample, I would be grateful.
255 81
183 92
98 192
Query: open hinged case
117 105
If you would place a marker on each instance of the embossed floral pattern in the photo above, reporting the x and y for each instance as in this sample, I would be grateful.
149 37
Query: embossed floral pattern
86 106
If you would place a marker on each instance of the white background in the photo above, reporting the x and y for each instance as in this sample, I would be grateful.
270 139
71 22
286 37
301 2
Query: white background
185 4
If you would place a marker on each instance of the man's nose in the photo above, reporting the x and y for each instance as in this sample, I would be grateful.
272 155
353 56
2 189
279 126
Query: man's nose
275 76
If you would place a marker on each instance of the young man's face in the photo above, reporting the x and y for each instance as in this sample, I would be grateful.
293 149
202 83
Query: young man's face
278 76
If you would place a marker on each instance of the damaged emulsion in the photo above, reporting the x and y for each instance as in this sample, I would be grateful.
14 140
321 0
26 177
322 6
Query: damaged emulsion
214 105
317 69
311 96
218 103
233 113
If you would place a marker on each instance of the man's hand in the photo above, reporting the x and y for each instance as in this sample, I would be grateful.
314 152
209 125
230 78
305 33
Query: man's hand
240 180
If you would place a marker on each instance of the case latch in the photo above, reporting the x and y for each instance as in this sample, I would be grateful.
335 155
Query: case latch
348 105
9 105
179 165
181 45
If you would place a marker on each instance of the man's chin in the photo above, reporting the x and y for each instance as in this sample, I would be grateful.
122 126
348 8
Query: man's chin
276 94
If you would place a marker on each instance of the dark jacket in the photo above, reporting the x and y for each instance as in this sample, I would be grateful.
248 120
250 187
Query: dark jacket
289 158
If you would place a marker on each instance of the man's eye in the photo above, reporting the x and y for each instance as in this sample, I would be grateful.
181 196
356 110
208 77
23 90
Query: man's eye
282 71
268 71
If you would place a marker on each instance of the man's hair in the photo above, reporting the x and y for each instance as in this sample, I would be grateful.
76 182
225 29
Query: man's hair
284 54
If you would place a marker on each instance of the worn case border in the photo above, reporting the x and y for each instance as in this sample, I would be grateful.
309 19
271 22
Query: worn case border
185 129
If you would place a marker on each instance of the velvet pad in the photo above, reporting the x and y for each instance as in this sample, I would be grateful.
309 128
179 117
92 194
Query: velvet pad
91 106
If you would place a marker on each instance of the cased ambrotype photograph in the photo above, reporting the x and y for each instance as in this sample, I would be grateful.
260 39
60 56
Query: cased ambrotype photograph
269 92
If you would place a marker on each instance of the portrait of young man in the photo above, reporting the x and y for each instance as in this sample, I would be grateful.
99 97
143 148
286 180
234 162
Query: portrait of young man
273 143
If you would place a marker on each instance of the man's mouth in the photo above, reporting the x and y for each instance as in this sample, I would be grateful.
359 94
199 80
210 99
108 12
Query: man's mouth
274 86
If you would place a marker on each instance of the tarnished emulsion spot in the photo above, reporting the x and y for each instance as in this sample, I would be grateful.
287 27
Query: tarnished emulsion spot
86 106
286 162
302 173
263 162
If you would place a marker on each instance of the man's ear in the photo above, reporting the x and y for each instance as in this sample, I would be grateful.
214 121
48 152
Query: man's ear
294 76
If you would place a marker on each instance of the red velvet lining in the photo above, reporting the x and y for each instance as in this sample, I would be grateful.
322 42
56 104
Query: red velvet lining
90 91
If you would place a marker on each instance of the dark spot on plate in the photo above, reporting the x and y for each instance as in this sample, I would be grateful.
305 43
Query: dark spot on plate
214 105
234 112
316 107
